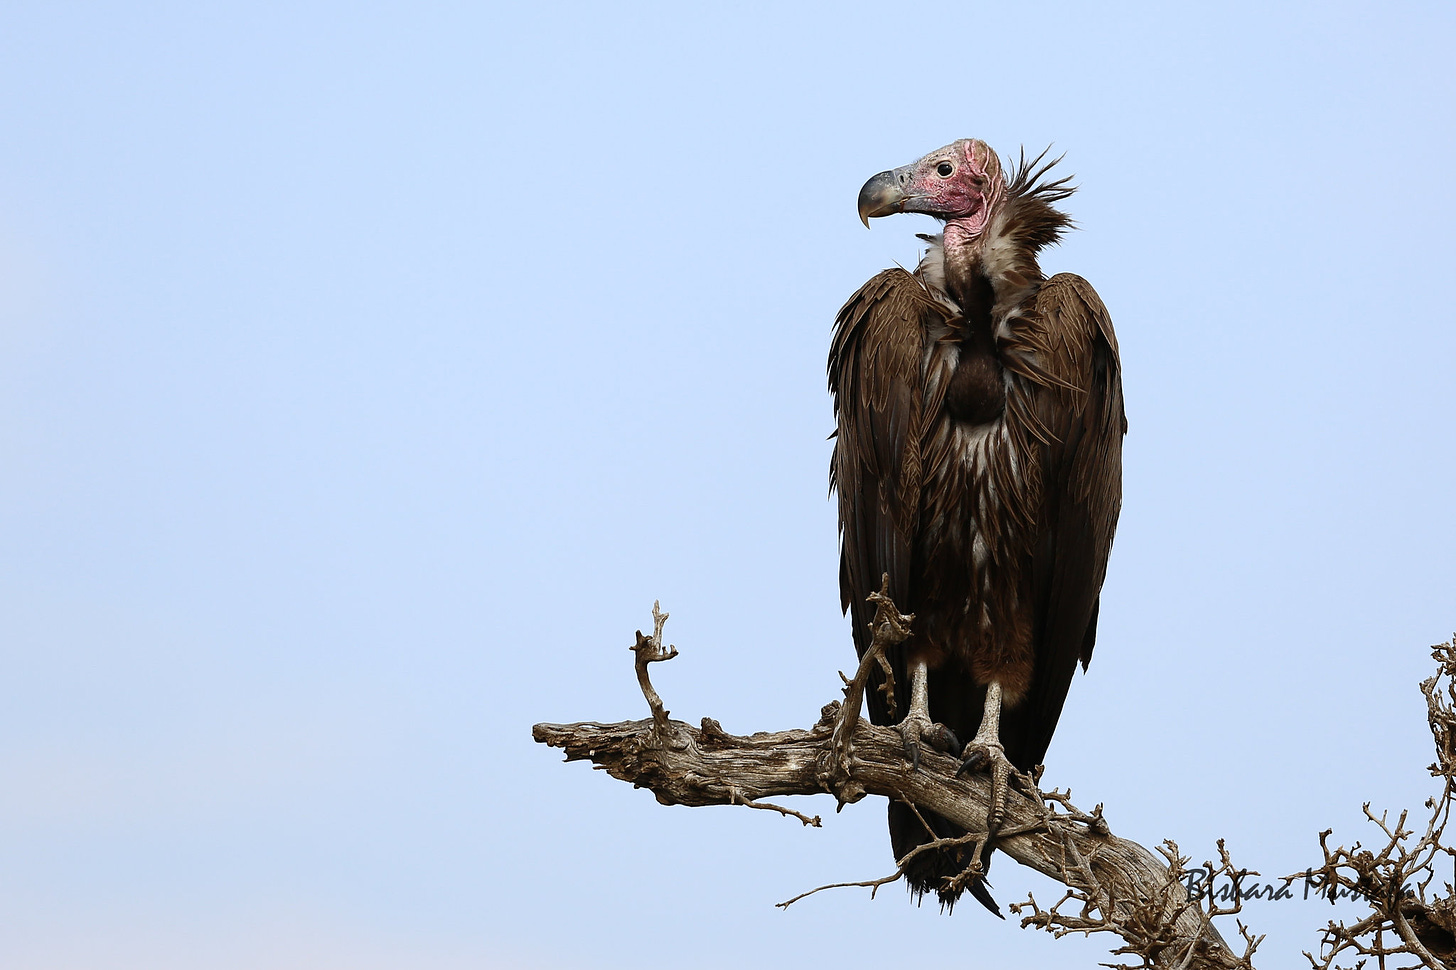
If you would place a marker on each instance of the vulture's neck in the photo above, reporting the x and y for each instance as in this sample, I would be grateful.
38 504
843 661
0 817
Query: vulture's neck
990 273
987 279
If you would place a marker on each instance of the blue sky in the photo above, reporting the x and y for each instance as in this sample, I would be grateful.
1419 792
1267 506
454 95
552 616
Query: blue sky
366 373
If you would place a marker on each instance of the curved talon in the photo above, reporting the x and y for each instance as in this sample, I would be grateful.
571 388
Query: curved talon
943 739
914 730
980 754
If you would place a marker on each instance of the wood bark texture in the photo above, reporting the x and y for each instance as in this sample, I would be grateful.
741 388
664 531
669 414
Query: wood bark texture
1135 893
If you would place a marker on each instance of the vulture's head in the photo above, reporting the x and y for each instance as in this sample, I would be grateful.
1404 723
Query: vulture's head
960 183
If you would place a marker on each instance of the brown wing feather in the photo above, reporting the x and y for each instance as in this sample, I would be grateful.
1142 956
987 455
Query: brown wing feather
1064 417
875 363
1078 402
875 375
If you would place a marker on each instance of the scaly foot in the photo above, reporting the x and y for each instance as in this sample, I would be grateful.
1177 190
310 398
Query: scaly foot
917 728
984 754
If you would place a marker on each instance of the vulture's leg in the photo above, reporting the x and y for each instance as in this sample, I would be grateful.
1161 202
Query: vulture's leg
917 725
986 752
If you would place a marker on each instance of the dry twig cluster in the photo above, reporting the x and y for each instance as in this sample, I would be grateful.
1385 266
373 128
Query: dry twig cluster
1407 920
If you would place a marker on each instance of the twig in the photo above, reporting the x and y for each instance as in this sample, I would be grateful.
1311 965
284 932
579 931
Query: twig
1147 924
813 822
1394 880
649 650
873 885
889 627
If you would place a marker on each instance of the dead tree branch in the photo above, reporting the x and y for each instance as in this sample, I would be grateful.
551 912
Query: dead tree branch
649 650
890 627
1119 886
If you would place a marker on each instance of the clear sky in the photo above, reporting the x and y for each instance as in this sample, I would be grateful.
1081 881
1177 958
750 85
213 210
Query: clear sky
366 372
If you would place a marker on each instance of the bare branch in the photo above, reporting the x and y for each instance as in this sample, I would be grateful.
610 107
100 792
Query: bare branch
649 650
1120 886
1405 919
888 627
813 822
874 884
1148 926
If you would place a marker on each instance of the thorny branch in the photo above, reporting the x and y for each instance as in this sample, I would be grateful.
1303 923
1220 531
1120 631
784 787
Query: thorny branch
1119 886
1407 919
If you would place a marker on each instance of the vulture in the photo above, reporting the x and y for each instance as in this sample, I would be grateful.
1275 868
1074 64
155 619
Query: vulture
978 465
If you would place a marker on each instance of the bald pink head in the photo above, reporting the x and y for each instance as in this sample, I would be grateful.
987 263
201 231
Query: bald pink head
961 183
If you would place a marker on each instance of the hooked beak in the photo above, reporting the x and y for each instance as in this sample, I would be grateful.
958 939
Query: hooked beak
884 194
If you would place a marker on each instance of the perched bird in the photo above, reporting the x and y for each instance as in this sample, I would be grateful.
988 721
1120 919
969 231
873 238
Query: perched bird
977 463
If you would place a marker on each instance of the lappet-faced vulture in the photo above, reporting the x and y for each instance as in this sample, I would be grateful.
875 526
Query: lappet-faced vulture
978 463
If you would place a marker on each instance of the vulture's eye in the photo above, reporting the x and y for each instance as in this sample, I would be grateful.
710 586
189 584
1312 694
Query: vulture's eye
944 169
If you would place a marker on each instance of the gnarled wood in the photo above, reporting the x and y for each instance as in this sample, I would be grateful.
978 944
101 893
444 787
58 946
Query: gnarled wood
1120 887
683 765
